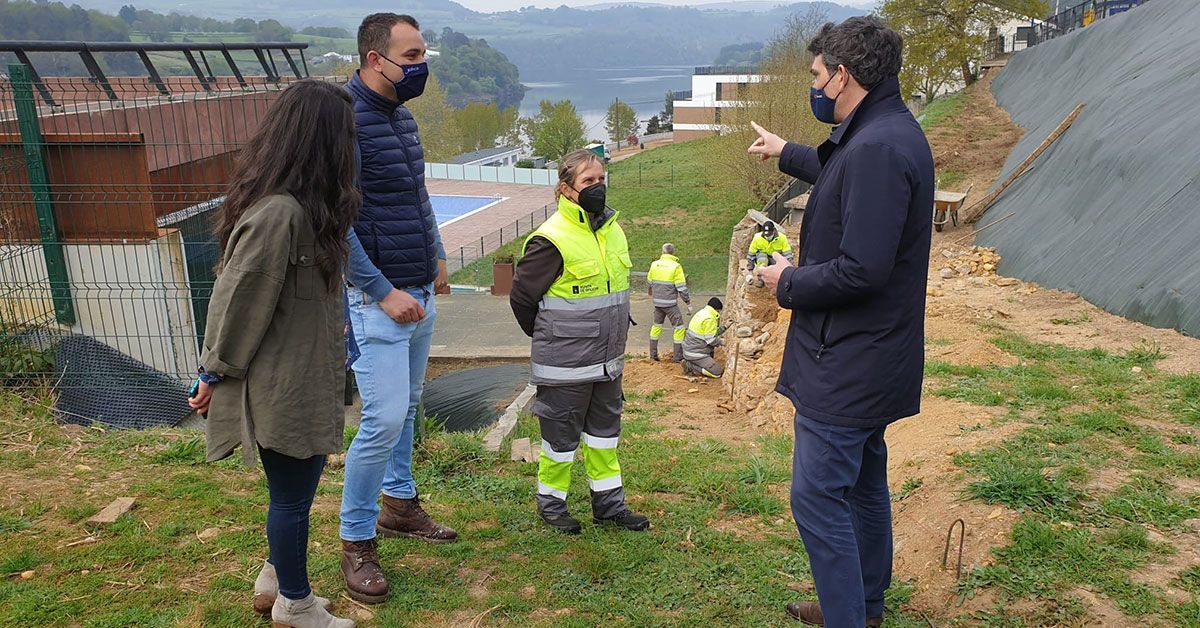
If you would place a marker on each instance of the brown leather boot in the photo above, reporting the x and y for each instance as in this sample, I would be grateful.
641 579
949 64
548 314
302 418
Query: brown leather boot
810 613
405 517
364 578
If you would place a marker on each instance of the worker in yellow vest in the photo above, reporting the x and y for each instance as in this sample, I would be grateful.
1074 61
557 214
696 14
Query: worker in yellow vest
667 285
571 295
703 337
765 244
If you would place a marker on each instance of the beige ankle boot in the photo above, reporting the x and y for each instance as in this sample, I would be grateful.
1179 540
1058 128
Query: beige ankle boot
306 613
266 589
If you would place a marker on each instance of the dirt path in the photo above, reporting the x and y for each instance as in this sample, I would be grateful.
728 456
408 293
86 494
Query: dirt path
630 151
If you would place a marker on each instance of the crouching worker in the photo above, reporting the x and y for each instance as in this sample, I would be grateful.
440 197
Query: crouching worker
571 295
273 372
703 337
762 249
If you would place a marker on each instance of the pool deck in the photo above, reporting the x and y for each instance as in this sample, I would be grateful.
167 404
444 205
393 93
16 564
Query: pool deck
519 202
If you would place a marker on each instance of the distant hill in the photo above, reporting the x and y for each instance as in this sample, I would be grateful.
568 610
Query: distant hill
545 44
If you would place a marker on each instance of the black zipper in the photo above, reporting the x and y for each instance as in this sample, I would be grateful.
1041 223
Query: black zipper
375 242
825 324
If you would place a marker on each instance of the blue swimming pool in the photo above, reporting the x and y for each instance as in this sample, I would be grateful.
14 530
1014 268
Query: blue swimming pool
447 208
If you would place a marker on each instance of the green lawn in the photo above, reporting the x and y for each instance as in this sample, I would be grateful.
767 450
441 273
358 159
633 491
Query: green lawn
943 111
723 549
1086 414
1103 473
663 195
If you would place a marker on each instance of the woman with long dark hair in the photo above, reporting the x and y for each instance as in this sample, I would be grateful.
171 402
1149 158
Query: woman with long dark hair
272 373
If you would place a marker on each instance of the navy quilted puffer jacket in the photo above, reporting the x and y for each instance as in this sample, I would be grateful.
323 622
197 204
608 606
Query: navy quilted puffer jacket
396 224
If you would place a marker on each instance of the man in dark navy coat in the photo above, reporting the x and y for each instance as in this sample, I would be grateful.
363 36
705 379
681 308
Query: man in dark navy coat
854 356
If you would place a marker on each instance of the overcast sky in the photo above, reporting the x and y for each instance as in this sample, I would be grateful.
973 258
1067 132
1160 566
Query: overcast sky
506 5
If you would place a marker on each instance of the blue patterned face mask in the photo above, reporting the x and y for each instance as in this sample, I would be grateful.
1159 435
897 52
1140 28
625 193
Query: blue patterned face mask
413 82
822 104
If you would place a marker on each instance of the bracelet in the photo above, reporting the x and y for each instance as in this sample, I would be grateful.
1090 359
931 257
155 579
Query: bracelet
208 378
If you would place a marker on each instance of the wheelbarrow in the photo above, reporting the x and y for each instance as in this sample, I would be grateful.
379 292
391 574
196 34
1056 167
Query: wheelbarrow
946 206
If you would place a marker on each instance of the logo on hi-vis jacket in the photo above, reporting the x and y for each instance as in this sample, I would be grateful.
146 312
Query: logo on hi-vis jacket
585 289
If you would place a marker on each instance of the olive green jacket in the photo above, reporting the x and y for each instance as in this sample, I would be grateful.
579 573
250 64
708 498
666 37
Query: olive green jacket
275 334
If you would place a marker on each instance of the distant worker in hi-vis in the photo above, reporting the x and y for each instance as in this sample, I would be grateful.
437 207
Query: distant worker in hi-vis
667 286
766 243
701 341
571 295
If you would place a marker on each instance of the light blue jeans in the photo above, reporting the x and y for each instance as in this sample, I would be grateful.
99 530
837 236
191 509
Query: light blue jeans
390 373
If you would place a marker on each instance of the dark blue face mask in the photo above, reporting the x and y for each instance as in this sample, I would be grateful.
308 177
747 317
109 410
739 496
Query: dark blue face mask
413 82
823 105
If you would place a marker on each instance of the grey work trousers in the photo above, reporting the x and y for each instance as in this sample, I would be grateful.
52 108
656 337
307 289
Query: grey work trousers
568 414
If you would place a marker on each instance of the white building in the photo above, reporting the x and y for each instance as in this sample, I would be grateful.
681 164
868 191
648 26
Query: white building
713 89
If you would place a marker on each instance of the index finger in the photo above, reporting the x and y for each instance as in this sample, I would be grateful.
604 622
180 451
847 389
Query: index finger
761 131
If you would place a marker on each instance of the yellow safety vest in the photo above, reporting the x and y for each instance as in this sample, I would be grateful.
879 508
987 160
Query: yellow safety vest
667 282
583 319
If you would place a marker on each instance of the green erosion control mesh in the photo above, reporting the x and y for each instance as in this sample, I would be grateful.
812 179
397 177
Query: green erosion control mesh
470 399
1112 210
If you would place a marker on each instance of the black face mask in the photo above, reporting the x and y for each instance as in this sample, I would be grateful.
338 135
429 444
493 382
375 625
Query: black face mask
591 198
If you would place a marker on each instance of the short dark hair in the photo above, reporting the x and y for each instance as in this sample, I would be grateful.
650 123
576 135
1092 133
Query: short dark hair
715 304
869 49
375 32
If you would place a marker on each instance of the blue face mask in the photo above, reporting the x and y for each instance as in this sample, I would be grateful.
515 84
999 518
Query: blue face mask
413 82
822 105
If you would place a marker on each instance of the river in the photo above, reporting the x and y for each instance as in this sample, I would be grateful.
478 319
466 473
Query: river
643 88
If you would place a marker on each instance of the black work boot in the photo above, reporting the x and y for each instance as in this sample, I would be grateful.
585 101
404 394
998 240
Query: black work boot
563 522
654 350
625 519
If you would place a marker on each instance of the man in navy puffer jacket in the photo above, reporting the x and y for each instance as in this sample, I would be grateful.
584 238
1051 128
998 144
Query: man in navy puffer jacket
396 262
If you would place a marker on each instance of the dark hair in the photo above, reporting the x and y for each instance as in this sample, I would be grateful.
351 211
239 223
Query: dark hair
305 146
869 49
715 303
375 32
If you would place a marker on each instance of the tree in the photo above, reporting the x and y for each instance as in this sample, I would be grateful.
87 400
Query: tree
740 55
621 121
473 71
668 113
244 25
483 125
335 32
654 125
556 130
272 30
128 13
779 102
931 61
440 136
940 35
